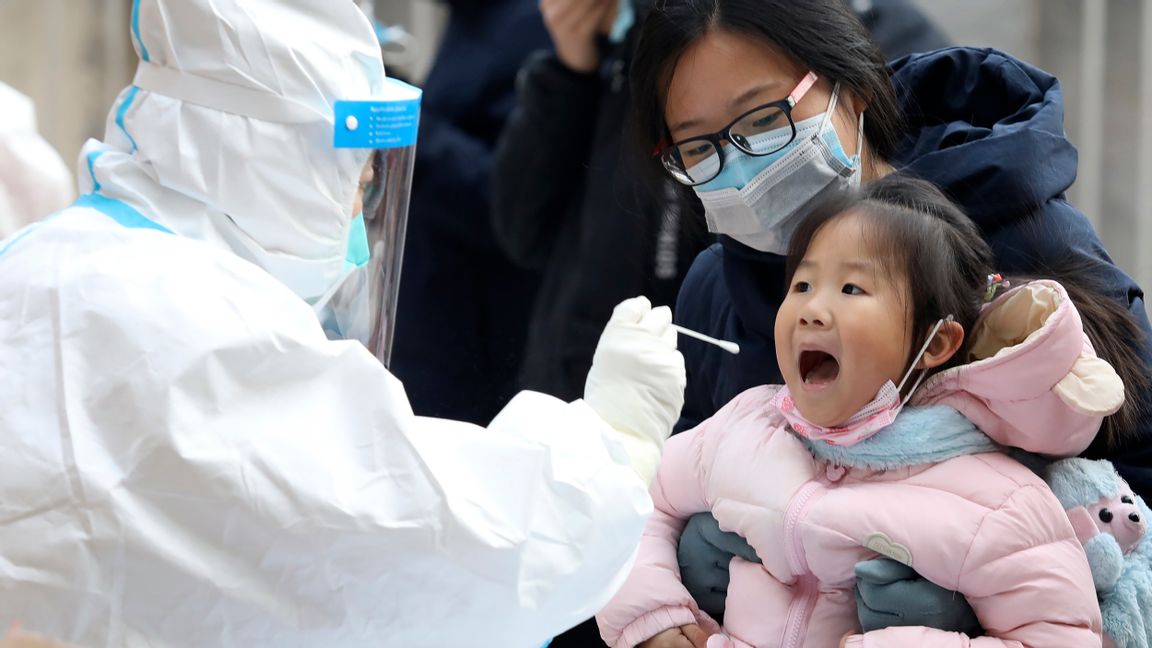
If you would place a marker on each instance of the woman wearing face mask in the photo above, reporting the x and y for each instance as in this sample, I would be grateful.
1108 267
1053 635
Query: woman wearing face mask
561 204
759 107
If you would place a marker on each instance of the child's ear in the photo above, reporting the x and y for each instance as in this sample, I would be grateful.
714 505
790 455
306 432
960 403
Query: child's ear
943 346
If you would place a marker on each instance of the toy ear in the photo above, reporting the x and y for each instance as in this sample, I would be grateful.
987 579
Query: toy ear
1082 523
1092 386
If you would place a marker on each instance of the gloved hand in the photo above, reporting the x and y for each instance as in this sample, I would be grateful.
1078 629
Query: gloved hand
889 593
637 380
704 554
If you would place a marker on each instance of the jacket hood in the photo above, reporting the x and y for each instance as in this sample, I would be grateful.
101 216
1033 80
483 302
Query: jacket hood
984 127
1032 379
226 134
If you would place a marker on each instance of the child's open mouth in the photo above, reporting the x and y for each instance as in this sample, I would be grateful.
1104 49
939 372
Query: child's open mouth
818 368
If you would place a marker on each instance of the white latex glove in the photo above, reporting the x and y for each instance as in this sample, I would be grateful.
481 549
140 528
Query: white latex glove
637 379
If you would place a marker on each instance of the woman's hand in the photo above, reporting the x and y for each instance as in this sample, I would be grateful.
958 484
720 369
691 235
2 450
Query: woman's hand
889 593
689 636
573 25
704 554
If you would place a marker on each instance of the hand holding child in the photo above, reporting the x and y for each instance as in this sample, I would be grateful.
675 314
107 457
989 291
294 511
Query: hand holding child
689 636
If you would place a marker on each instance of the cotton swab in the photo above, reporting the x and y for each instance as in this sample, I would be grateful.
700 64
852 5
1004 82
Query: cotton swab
730 347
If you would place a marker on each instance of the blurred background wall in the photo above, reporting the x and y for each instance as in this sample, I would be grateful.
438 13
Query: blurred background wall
73 56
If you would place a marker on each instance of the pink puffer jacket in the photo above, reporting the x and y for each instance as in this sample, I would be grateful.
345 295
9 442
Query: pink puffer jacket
930 491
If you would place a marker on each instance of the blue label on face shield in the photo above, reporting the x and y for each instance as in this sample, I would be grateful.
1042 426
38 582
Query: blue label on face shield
387 123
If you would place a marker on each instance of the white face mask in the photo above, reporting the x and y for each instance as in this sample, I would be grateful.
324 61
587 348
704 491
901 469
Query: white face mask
764 212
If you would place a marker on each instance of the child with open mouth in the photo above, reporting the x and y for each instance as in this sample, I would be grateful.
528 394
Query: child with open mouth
892 300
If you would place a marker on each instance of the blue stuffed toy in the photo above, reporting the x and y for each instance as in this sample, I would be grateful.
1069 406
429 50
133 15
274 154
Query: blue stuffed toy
1112 523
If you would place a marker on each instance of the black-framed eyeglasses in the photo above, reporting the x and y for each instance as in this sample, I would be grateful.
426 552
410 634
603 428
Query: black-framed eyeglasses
764 130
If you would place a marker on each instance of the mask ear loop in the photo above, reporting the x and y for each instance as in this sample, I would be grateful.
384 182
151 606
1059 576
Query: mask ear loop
927 343
860 140
830 111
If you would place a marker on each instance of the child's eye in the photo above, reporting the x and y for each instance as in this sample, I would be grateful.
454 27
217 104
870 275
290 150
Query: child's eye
1126 499
801 287
852 289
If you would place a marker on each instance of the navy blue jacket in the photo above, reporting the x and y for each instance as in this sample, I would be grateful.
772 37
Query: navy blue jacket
987 129
463 306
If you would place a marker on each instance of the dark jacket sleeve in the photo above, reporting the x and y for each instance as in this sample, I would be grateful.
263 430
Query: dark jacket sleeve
1060 236
541 158
702 306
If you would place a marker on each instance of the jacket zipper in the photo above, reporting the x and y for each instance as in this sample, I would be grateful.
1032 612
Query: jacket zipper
800 609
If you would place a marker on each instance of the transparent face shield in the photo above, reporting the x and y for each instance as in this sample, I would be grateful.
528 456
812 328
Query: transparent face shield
362 306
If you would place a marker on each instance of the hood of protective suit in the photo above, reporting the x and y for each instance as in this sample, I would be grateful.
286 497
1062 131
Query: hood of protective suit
1033 380
265 74
34 181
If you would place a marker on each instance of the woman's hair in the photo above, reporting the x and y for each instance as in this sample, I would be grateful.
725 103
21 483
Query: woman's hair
1115 335
915 231
821 35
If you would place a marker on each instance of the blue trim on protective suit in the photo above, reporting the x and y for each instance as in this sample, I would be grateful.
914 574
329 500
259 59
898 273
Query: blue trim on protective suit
16 239
91 169
136 30
121 112
120 212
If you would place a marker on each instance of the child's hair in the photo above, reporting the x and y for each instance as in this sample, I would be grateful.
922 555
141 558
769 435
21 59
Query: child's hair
916 232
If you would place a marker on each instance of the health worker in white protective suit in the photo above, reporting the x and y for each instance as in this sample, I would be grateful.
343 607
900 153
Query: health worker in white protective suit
189 461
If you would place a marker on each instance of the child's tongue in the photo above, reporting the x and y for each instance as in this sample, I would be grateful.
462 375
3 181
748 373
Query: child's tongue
824 371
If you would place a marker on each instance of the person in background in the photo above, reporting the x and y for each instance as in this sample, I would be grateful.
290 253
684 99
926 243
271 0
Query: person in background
561 208
463 306
34 182
898 27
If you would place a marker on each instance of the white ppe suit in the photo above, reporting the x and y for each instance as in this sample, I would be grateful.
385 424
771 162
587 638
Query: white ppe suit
187 460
